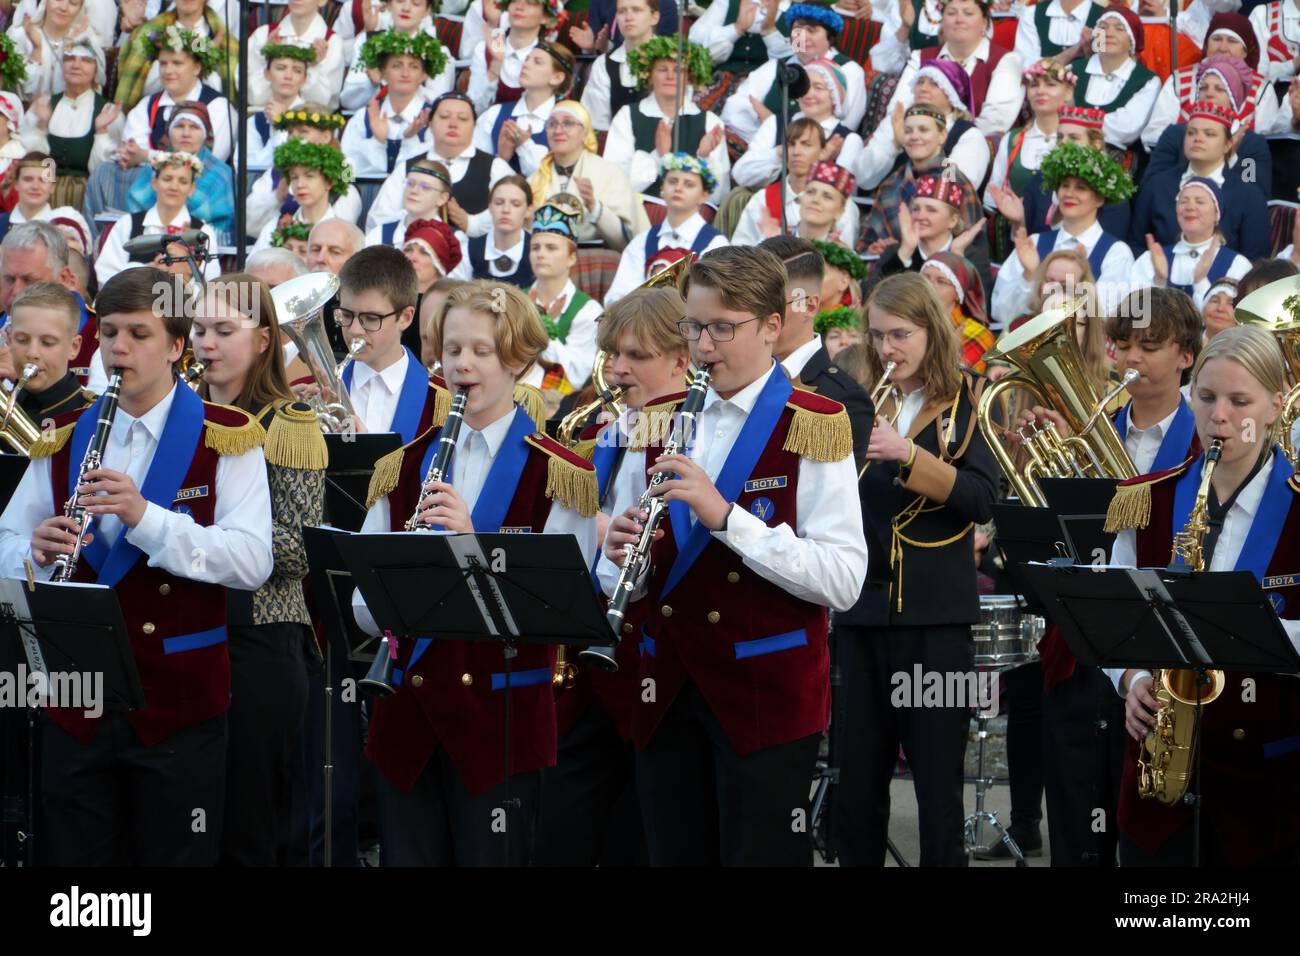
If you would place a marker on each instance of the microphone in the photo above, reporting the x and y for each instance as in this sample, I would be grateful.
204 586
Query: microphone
152 245
794 78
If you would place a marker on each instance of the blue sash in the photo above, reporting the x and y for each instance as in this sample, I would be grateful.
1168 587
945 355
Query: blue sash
171 461
498 491
1261 541
263 127
410 400
1173 447
691 537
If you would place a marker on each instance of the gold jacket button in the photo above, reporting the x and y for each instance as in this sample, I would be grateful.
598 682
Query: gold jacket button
147 628
714 617
1238 734
467 679
164 589
627 628
666 611
733 577
417 680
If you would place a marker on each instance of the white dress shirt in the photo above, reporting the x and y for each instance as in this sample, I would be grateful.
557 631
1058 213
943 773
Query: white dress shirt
1143 444
739 113
358 91
333 212
596 94
491 253
388 202
910 407
113 257
1232 538
970 154
719 37
262 206
890 54
261 153
374 394
1122 126
1011 292
236 547
1277 70
324 78
1063 29
643 167
219 111
1183 267
369 155
631 267
102 15
482 91
760 164
823 559
531 121
1033 148
475 454
73 117
748 232
1002 101
796 360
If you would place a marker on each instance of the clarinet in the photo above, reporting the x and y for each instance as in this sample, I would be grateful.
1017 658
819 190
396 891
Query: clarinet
441 456
637 556
65 566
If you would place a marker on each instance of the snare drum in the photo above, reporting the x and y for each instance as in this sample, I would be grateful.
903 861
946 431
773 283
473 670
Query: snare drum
1004 637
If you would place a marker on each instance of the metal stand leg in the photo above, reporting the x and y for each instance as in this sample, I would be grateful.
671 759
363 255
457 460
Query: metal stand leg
981 815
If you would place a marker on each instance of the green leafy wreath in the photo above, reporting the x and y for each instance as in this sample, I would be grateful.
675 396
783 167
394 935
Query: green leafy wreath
291 51
290 230
1095 167
699 65
13 69
380 46
327 160
845 317
176 39
846 260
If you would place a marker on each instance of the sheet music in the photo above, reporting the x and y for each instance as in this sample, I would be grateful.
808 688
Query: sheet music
14 607
470 557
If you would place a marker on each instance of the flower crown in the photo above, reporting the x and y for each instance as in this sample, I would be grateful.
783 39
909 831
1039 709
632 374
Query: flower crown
161 158
178 40
13 68
379 46
842 258
326 160
699 65
553 8
309 118
290 230
291 51
1103 174
686 163
845 317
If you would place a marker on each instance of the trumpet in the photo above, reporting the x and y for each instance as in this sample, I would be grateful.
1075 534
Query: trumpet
192 369
65 566
884 389
17 429
607 397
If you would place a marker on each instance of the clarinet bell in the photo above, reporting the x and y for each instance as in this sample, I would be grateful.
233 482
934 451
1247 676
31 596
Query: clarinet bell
600 656
378 681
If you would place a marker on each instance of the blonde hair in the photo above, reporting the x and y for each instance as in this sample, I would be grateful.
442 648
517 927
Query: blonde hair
909 295
1253 349
1095 359
520 335
52 296
651 315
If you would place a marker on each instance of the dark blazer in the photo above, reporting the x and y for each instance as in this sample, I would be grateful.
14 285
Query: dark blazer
1168 154
822 376
955 490
1244 221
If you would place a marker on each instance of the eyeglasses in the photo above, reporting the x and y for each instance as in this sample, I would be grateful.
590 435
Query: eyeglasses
895 336
370 321
555 125
718 331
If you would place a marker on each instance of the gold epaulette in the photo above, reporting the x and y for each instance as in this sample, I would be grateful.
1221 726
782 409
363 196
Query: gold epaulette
233 439
51 441
531 401
294 438
1131 506
571 483
652 424
585 449
384 478
441 403
819 436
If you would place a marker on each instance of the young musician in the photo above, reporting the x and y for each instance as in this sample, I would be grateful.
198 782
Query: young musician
438 742
44 331
180 477
236 338
931 478
1249 767
740 575
589 811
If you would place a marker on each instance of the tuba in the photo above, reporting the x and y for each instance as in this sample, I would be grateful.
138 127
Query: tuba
300 305
1276 308
1049 366
17 430
1165 757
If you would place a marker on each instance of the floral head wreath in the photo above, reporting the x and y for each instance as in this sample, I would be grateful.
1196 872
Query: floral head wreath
1096 168
320 120
326 160
13 68
553 8
686 163
158 159
290 230
1050 69
291 51
380 46
842 258
699 65
845 317
175 39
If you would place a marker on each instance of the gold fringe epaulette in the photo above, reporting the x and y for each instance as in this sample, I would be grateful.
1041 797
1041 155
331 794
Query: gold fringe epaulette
585 449
651 425
1131 506
441 403
818 436
531 401
51 441
294 438
233 439
567 482
384 479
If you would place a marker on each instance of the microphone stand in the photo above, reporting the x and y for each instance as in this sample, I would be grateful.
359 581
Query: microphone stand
793 81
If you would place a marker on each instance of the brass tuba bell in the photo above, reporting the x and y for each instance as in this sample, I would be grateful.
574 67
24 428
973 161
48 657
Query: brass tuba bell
300 306
17 430
1276 308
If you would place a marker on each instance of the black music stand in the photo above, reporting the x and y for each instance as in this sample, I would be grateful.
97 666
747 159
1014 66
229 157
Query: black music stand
1081 505
352 457
509 588
1025 535
58 628
1167 618
12 469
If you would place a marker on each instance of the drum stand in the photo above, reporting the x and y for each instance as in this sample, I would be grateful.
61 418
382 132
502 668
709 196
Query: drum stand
982 783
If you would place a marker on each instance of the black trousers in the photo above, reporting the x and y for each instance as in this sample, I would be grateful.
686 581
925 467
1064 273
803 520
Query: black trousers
1024 701
268 703
1178 850
703 804
1083 749
589 813
933 738
116 802
440 823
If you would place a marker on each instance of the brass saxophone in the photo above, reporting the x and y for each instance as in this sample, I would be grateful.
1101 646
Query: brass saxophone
1165 757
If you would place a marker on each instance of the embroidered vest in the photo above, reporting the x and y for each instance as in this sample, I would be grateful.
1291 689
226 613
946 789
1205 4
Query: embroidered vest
980 76
1136 80
1042 23
523 274
72 153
